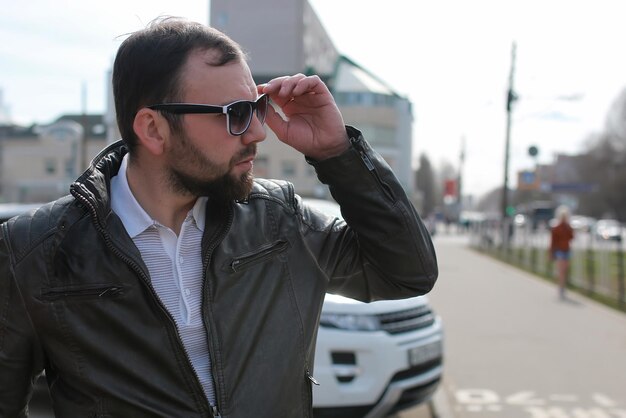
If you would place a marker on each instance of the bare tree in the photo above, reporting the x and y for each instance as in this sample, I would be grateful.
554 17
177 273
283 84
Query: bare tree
605 166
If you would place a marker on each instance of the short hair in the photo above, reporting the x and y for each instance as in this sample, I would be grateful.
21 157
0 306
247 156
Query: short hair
148 67
562 213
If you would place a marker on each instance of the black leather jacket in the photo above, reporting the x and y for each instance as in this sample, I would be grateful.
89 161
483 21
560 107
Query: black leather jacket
76 298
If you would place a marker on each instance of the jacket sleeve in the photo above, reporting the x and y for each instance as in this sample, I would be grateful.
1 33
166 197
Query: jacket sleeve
382 250
18 349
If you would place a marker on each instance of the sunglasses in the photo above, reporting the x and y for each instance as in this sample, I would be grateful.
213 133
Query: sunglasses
238 114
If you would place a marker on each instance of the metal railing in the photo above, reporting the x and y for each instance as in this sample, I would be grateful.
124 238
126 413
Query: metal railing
596 268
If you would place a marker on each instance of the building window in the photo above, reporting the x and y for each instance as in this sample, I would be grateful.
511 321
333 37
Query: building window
366 99
379 136
261 166
69 168
98 129
50 165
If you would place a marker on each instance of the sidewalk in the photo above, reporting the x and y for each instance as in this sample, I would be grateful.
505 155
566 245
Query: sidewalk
514 349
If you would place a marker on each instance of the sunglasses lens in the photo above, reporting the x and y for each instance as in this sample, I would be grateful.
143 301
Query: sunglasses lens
239 115
261 107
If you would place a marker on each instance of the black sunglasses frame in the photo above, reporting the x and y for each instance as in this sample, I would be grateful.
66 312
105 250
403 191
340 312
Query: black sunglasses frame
195 108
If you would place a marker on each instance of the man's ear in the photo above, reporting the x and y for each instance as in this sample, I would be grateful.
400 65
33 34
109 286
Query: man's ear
152 130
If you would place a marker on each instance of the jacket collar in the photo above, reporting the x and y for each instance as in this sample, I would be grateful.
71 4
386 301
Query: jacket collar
93 187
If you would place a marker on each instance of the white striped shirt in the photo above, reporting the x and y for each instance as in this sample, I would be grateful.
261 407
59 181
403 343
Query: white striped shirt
175 267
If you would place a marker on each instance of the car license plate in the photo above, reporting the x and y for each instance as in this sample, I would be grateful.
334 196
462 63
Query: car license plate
419 355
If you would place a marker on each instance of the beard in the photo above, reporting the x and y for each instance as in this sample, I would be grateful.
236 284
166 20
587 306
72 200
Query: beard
191 173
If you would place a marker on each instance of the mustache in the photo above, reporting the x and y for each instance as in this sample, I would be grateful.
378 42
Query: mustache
247 152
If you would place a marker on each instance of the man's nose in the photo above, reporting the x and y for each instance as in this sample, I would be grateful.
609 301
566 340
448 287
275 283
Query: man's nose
255 133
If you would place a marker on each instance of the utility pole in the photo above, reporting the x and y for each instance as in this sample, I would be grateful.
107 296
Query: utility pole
511 97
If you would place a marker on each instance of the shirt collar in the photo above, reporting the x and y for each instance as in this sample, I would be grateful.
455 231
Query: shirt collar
199 212
133 216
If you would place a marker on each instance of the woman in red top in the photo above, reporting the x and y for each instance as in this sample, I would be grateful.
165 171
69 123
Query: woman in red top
560 251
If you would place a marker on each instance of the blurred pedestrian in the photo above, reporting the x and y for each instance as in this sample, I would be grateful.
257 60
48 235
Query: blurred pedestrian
561 236
170 282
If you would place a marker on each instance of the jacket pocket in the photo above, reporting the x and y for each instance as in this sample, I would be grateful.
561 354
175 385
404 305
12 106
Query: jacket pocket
80 292
262 254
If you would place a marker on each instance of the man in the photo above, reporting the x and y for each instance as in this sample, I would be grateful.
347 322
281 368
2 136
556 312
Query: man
169 283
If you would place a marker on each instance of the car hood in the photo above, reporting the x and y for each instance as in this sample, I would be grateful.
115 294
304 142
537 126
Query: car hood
341 304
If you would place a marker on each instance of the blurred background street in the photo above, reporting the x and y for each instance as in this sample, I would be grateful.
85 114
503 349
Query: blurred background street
515 349
492 114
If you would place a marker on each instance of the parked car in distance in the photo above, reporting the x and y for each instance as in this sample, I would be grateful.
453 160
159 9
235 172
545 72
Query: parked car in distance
537 213
608 229
374 359
582 223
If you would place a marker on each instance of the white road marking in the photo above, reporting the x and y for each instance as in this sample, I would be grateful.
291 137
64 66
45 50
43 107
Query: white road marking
486 400
603 400
477 396
563 398
524 398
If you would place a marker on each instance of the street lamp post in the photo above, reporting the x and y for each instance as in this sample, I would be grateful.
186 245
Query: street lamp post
511 97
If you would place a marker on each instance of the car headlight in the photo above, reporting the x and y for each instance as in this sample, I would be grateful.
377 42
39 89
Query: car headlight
350 322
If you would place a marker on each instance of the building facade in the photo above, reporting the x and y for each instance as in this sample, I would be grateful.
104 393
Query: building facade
290 39
279 36
38 163
384 117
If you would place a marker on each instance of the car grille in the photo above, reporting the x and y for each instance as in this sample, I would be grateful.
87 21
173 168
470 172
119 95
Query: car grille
406 321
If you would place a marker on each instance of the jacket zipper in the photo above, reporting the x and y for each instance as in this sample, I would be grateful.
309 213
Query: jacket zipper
216 412
146 279
242 262
356 143
311 378
206 289
311 381
106 291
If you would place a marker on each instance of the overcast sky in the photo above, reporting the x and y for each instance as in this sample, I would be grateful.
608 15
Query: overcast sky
451 58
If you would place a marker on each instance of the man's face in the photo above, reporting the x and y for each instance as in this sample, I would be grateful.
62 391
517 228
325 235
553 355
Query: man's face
204 159
191 172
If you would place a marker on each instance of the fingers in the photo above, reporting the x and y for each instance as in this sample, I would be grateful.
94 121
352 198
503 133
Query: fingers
276 123
284 89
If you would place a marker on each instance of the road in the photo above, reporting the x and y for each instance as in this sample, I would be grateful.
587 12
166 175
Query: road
514 349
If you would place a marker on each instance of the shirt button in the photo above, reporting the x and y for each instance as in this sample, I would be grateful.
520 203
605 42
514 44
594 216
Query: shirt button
187 292
181 259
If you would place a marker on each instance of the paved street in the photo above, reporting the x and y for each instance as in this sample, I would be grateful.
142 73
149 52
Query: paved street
514 349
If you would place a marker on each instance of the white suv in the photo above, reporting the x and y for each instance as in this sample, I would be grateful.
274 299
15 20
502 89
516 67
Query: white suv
374 359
